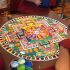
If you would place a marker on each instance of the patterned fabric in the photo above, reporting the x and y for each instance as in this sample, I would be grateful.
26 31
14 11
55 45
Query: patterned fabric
3 4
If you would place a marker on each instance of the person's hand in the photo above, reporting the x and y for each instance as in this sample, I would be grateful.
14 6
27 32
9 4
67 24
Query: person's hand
63 61
37 2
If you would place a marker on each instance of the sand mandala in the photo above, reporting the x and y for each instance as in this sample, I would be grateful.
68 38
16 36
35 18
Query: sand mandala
34 38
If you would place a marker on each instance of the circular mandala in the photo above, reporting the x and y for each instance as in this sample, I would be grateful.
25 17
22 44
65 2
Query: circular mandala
33 37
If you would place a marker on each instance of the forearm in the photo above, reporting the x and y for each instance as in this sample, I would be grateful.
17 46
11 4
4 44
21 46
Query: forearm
37 2
64 60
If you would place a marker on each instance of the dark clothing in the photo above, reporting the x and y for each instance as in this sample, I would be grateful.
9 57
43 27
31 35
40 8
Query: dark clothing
65 43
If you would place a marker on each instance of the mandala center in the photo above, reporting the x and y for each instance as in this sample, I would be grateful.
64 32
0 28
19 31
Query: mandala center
36 32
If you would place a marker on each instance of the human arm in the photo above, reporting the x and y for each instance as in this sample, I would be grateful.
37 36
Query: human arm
63 62
37 2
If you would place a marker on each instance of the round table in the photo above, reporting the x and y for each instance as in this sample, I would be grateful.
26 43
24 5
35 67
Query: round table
34 38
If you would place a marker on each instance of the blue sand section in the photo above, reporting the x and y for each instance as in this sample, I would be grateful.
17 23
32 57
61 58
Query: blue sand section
28 63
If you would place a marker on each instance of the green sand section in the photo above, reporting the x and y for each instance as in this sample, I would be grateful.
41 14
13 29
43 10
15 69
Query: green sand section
33 41
5 29
42 42
28 68
48 38
21 67
16 49
56 46
63 35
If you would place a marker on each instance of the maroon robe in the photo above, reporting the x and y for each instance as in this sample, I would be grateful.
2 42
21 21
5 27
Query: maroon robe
23 6
2 63
65 43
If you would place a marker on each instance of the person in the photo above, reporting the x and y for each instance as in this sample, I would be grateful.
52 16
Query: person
44 3
27 7
63 63
37 2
